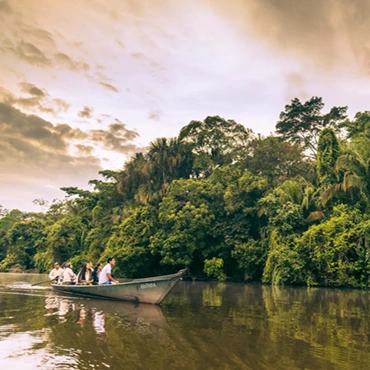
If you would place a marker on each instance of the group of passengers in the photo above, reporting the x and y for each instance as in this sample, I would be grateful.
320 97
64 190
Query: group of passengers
86 276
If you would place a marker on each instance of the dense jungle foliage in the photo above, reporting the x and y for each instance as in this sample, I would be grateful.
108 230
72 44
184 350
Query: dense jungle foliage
289 208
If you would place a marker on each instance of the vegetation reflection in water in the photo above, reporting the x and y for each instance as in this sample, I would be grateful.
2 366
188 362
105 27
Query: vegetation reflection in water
199 326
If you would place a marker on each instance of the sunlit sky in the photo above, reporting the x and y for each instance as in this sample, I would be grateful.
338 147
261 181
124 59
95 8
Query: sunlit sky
84 84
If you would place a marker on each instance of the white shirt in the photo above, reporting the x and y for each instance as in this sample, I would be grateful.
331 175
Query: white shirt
68 275
107 269
54 273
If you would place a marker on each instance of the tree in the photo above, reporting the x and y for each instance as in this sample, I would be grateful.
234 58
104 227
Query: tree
359 126
215 142
146 176
42 203
354 164
186 216
23 239
301 123
284 263
3 211
130 241
6 223
64 241
276 159
336 252
133 176
238 227
328 152
168 160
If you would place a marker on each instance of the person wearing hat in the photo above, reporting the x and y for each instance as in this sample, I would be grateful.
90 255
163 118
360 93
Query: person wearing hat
56 272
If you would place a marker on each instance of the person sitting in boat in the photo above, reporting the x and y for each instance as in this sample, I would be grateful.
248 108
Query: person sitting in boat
68 277
55 273
106 273
96 273
85 276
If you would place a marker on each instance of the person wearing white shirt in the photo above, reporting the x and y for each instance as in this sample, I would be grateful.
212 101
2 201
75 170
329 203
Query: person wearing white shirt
68 277
106 274
56 272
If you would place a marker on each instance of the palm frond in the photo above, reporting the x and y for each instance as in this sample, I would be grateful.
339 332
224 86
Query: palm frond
330 192
351 180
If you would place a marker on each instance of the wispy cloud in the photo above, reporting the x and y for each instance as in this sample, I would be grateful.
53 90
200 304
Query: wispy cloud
155 115
74 65
32 89
5 7
31 54
86 112
109 86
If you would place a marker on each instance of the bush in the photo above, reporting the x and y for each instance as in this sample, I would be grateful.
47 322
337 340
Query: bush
214 268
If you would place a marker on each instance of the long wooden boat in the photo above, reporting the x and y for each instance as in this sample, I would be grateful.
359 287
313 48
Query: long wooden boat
148 290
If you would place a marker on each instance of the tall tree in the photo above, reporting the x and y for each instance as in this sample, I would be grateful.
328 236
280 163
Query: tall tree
301 123
216 142
148 175
276 159
328 152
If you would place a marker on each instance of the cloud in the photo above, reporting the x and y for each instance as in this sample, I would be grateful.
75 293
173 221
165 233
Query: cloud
31 54
85 149
138 55
295 86
68 133
31 89
61 104
68 62
5 7
36 99
155 115
109 86
86 112
29 137
39 36
117 138
328 33
36 154
28 131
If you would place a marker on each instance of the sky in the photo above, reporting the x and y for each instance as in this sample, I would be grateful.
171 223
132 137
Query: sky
85 84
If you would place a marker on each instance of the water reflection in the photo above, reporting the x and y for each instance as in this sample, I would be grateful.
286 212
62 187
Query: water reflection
212 295
200 326
99 322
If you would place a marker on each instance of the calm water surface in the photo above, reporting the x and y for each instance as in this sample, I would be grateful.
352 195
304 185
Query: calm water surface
198 326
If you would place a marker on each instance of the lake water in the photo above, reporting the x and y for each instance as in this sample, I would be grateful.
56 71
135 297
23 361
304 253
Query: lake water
198 326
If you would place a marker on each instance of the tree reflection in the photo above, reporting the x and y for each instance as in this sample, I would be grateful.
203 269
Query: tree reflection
200 326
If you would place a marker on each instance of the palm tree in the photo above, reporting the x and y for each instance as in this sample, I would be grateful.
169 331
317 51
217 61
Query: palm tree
167 160
134 174
355 166
300 192
146 176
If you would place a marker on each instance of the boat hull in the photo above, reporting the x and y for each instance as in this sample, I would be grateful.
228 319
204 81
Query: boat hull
149 290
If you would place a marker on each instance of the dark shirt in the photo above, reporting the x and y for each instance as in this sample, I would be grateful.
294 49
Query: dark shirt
95 276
